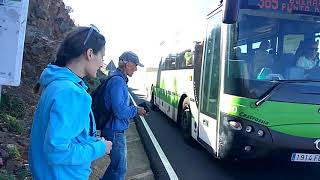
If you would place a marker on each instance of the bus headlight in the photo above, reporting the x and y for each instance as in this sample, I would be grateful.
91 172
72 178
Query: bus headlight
249 129
260 133
247 148
235 125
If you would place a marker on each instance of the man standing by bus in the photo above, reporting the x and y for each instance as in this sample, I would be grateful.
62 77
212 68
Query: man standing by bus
117 100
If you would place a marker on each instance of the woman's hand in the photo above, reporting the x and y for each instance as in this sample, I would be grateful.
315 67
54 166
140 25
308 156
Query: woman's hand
108 145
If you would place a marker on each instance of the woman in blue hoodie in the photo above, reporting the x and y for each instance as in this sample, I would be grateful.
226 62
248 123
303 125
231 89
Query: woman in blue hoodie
63 141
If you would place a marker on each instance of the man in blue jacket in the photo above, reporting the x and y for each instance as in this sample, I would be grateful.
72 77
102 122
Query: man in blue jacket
116 96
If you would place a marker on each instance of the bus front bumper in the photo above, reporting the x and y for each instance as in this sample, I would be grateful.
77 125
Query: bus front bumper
281 147
242 144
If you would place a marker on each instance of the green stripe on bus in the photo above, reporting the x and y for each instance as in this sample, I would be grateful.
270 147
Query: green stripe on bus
168 97
290 118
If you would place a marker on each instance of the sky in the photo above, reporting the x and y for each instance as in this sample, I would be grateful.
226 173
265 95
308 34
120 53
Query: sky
141 25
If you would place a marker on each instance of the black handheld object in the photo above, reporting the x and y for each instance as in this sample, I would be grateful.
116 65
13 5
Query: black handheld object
145 106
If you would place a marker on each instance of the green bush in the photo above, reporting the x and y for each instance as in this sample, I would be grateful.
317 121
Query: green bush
23 174
17 107
13 106
4 102
13 151
92 83
4 175
12 123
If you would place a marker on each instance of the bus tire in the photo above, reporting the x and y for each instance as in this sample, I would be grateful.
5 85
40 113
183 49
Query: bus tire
185 122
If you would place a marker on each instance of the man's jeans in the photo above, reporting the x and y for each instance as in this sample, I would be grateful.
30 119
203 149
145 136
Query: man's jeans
118 165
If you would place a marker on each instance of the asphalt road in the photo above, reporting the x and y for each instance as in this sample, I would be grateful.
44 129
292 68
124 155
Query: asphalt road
195 163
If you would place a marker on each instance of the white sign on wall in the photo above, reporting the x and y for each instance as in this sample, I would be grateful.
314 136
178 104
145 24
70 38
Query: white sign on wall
13 21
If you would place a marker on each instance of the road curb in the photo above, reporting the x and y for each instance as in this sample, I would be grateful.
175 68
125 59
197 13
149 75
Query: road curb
158 168
156 165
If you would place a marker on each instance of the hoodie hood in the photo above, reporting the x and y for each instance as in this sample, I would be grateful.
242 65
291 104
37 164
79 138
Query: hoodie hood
53 73
119 72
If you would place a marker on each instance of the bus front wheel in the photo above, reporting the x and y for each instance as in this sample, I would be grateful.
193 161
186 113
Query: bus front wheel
186 122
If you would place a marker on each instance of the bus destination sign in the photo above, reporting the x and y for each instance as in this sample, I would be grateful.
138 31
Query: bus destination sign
288 6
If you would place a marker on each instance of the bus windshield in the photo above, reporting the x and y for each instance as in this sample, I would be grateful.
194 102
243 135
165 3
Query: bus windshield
266 46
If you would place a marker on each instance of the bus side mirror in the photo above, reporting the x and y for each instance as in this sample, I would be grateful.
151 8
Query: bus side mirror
230 11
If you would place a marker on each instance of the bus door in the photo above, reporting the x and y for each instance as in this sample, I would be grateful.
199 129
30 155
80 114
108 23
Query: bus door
210 84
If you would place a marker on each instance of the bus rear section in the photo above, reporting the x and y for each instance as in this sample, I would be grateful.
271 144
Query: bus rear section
174 83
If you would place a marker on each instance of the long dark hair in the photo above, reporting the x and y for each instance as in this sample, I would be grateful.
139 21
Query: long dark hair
73 46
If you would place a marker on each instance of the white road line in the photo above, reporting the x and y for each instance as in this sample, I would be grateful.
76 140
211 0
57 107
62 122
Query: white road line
172 174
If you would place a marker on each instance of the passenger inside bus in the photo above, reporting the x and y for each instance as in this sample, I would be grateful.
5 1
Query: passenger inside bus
306 60
262 58
308 56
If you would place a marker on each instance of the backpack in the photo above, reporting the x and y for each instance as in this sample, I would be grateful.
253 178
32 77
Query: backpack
100 112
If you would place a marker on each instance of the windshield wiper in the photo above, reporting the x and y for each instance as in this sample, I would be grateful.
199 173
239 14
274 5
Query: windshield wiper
269 92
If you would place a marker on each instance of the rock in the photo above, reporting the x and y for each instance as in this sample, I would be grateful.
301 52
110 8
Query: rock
23 142
30 35
40 13
29 69
64 27
1 162
13 165
35 49
3 154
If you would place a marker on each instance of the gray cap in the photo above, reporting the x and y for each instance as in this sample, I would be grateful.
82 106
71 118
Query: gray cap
129 56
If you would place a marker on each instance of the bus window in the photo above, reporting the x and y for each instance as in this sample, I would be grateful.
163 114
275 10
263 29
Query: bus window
291 43
188 59
163 65
291 50
166 64
243 48
171 62
179 61
317 35
210 79
240 52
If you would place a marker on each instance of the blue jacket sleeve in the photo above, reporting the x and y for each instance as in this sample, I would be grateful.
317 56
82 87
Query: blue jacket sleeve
67 141
119 97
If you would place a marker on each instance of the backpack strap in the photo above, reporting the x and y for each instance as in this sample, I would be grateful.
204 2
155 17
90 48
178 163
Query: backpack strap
106 83
109 77
91 131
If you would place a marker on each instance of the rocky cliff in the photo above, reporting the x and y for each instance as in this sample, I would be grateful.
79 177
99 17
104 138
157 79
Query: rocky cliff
47 22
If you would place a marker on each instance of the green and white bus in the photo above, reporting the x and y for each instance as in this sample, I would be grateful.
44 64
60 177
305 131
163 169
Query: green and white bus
256 90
